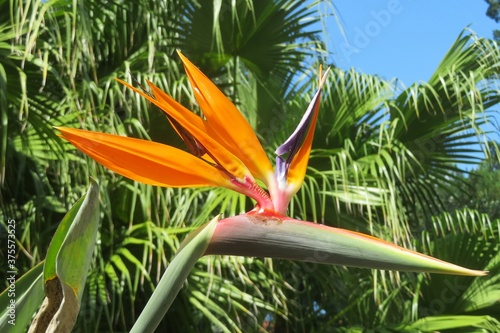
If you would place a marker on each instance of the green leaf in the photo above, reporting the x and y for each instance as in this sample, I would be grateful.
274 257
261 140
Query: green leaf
27 296
73 259
67 264
438 323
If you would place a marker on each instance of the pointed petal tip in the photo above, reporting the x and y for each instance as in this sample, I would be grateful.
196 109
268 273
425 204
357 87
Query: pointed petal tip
62 131
181 55
452 269
325 75
184 59
471 272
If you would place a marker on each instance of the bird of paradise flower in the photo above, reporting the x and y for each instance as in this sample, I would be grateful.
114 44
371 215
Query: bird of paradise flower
226 152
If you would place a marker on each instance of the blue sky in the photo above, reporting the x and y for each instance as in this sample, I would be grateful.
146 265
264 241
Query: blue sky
402 38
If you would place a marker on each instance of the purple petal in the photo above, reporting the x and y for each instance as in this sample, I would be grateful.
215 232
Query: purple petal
281 168
294 142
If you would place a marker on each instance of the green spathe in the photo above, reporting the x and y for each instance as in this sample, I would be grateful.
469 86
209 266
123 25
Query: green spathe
275 236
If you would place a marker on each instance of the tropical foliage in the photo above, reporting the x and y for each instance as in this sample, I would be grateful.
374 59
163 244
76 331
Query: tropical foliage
386 160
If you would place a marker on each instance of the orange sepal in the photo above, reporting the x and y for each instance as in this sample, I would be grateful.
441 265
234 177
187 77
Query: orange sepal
146 161
197 128
228 123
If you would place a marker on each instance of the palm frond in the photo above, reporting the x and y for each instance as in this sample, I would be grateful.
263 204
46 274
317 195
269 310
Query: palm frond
470 238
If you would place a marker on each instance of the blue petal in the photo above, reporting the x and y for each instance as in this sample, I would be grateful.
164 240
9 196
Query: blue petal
281 169
293 144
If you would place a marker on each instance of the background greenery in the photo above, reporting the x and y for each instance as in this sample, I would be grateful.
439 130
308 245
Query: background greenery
387 160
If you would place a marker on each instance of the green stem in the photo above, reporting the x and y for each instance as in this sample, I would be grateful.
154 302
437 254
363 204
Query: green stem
174 277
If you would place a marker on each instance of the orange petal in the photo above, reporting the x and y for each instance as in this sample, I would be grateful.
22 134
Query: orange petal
298 166
146 161
224 118
196 127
